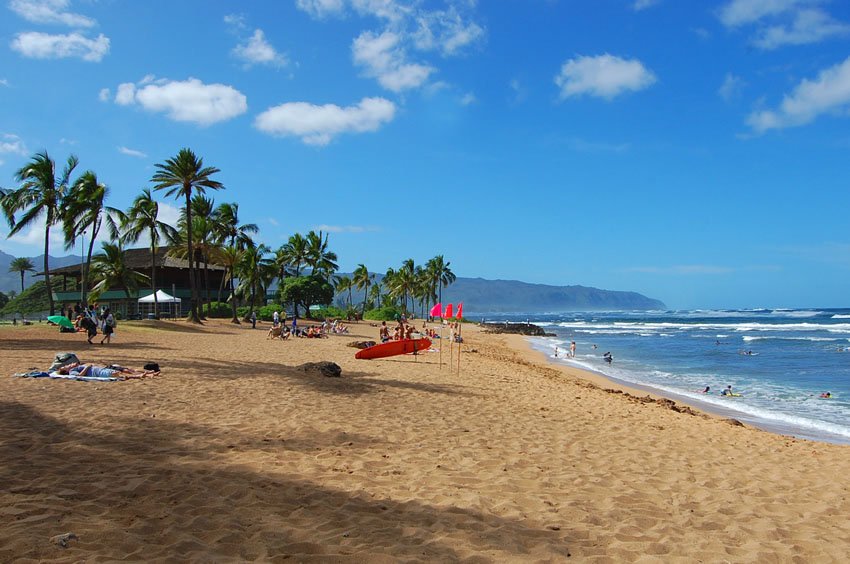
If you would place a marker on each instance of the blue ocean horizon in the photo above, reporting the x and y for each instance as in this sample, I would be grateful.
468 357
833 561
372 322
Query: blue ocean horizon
779 360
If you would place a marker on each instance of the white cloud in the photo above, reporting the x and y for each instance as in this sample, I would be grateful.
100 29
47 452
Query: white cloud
792 22
384 59
468 99
190 100
132 152
104 95
49 12
392 11
37 45
236 21
731 87
4 82
257 50
605 76
12 144
33 236
809 26
445 30
828 93
644 4
321 8
741 12
318 125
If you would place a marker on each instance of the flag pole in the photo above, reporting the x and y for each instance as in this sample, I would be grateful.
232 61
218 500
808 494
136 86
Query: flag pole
451 346
459 345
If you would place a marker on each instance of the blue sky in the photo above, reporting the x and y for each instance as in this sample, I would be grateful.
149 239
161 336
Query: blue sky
696 152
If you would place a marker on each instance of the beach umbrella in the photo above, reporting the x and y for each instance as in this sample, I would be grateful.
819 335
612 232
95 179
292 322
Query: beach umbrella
61 320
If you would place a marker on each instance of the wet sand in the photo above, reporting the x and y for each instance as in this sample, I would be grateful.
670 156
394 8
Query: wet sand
235 454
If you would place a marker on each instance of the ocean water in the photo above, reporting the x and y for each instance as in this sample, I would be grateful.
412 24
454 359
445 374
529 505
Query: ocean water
796 355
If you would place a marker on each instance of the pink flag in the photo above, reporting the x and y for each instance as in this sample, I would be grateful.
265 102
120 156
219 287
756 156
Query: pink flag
448 313
459 310
436 310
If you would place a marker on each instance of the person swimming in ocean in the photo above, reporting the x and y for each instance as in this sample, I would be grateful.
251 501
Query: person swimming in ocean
706 390
727 391
608 358
826 395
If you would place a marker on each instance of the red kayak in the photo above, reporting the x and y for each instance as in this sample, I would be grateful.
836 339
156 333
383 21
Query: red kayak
393 348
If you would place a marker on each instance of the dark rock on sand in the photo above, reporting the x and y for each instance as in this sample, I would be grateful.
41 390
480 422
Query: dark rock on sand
734 422
325 368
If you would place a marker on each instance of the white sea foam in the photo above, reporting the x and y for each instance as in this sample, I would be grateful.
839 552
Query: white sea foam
840 316
750 338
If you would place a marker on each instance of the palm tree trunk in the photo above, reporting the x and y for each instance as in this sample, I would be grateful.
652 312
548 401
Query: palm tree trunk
153 280
207 281
233 301
86 268
192 287
22 280
47 267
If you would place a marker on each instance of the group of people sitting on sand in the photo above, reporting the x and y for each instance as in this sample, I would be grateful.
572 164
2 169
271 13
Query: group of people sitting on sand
404 331
279 329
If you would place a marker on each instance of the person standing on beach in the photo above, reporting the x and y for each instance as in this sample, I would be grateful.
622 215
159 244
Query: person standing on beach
572 349
276 319
253 320
108 326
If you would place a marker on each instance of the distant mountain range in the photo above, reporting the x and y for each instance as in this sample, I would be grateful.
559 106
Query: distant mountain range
12 280
479 296
494 296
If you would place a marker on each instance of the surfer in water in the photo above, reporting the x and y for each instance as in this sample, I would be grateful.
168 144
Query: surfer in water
727 391
608 358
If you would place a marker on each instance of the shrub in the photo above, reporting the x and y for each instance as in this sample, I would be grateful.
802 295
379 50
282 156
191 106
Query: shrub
220 310
242 311
329 312
266 313
386 313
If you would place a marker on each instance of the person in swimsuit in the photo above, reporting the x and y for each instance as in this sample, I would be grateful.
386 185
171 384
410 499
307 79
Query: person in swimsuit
111 371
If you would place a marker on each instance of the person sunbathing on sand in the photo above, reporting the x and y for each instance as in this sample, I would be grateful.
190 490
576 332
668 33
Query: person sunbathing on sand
111 371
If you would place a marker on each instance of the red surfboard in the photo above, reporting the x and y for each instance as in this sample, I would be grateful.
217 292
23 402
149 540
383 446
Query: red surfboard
393 348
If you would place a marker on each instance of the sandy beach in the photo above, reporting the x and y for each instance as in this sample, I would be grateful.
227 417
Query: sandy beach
234 454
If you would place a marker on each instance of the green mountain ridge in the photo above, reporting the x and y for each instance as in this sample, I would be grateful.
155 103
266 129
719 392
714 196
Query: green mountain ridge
479 295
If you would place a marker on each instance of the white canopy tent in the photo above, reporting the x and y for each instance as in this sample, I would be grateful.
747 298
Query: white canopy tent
161 298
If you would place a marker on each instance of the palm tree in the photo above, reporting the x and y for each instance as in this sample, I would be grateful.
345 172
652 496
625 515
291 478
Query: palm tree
182 176
228 228
441 274
319 258
294 252
362 279
142 218
84 207
344 283
404 281
254 271
204 229
21 265
40 192
110 270
231 257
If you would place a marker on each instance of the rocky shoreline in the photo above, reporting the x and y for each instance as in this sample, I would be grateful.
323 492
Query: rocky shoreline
527 329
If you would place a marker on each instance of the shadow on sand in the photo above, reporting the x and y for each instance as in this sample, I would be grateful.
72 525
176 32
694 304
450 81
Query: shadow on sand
138 489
